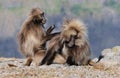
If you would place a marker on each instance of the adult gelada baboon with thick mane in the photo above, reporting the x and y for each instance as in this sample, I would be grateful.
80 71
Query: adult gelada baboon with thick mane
72 44
76 47
32 37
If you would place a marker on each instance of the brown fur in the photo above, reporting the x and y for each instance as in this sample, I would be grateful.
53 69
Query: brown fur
72 44
40 55
54 48
79 52
76 47
32 38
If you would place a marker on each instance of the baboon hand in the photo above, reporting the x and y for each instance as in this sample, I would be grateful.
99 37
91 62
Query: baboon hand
50 29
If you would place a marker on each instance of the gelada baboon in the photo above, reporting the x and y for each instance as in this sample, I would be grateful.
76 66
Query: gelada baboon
32 37
76 49
72 44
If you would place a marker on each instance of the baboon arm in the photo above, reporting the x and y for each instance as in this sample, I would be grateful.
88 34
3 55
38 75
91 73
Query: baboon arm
53 34
21 37
59 59
48 33
50 36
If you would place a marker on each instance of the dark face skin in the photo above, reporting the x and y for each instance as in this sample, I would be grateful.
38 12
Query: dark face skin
39 19
71 41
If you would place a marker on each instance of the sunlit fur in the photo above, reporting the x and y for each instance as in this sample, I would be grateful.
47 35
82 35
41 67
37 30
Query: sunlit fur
32 37
72 45
54 49
79 52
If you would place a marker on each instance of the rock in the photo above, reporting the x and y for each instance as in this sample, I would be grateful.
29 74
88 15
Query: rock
116 50
107 52
111 56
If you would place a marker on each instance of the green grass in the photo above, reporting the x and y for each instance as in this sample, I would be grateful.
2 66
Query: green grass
54 8
77 9
114 5
14 9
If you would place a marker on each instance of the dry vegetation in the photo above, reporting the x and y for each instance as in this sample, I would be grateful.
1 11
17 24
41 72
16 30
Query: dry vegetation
54 71
14 68
110 61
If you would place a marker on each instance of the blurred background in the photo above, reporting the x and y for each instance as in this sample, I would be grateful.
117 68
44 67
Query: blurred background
102 17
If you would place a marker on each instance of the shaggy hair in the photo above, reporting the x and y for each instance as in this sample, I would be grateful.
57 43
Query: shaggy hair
71 43
76 46
32 37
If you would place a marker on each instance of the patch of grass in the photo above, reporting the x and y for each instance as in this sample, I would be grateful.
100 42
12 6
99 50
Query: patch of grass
114 5
1 8
15 8
55 6
77 9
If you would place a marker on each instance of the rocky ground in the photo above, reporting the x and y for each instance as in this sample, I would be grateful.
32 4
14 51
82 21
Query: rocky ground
111 69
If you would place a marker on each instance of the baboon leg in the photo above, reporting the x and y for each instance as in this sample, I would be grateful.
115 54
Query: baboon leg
48 57
28 61
51 58
38 57
59 59
70 61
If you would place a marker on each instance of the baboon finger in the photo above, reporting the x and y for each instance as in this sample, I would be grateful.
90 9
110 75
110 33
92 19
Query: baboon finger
50 29
50 36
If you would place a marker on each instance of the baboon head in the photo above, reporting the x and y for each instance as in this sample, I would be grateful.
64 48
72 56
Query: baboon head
38 16
68 34
73 30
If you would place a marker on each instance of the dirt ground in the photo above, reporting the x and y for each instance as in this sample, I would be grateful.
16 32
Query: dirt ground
7 70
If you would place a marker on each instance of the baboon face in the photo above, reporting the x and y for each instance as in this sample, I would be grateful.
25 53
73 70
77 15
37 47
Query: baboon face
38 16
68 37
71 42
